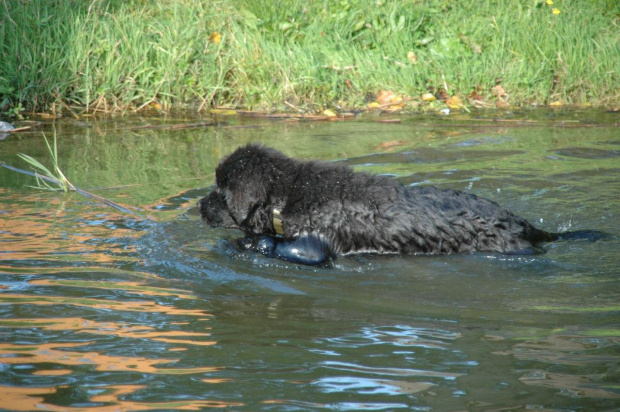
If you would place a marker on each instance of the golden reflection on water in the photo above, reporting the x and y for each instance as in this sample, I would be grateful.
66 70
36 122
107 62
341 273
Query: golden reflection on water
120 329
78 270
130 287
48 230
53 372
29 399
59 354
129 305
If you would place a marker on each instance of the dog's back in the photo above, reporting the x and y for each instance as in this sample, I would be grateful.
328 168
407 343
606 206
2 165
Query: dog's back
264 192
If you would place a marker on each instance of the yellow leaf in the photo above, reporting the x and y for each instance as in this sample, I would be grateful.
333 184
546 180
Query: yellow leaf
386 96
373 105
224 112
428 97
454 102
329 113
215 37
557 103
412 57
555 11
549 2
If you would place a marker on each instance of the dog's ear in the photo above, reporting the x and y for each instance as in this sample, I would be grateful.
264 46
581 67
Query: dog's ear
244 196
246 177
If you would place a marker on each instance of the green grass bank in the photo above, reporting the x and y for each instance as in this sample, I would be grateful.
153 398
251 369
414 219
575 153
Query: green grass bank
311 55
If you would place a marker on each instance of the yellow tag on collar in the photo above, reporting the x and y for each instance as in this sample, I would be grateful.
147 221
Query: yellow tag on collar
277 222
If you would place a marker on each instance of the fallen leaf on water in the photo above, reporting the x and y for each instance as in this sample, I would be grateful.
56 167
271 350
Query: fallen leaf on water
329 113
373 105
428 97
557 103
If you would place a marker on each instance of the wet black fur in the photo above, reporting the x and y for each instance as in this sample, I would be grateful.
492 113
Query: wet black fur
356 212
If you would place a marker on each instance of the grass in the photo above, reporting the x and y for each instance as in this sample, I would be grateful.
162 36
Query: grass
112 55
56 177
43 174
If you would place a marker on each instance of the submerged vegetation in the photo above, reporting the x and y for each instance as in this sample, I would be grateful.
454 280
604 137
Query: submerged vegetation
109 55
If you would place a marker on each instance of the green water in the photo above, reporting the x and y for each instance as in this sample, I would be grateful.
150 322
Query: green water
101 310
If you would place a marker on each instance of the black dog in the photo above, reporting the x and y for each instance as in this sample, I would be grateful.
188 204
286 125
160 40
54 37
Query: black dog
310 211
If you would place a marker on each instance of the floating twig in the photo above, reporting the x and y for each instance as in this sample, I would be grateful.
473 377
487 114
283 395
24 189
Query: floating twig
22 129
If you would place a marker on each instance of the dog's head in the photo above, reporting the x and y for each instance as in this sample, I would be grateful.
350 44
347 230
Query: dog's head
247 181
214 210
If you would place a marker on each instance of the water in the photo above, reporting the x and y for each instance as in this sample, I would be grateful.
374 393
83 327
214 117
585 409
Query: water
101 310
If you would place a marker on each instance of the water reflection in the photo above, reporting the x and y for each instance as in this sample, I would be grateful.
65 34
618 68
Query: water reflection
102 399
366 386
98 304
339 406
48 229
59 353
387 371
122 330
101 311
575 386
564 350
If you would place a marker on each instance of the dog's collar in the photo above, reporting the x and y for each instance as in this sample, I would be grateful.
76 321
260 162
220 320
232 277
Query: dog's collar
278 225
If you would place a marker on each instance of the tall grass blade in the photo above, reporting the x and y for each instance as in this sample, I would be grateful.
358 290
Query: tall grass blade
44 175
39 169
36 165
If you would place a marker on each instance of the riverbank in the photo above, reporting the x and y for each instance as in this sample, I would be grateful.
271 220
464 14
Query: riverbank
308 57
